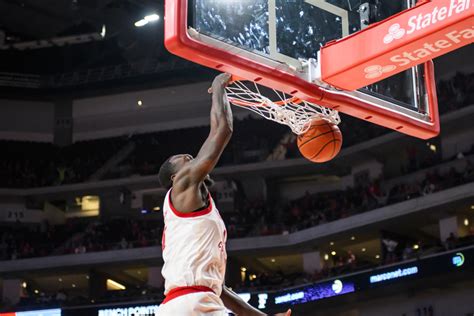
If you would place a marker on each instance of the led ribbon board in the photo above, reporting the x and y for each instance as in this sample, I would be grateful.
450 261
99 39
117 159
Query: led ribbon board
316 292
130 311
395 274
44 312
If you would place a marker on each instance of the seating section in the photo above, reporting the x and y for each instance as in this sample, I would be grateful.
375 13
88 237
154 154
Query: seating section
251 217
26 164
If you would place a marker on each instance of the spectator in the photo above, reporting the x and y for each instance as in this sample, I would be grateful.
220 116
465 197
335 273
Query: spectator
407 252
428 187
390 248
61 296
451 241
468 174
351 260
80 249
123 243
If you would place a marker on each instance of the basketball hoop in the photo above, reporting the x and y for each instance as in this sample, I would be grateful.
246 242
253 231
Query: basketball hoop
278 106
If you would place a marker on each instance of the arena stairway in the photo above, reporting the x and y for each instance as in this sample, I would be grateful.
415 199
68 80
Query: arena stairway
116 159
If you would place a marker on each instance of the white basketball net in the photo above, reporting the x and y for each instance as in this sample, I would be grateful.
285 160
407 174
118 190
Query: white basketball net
288 110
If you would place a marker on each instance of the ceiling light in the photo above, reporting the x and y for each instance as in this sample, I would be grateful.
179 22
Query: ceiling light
363 249
152 17
243 269
114 286
353 238
24 285
103 31
73 285
331 243
326 256
472 207
141 23
36 291
272 260
149 18
139 272
377 257
333 253
466 222
87 277
139 102
433 148
60 279
157 208
416 246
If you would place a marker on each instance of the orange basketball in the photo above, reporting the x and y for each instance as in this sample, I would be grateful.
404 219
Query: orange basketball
322 142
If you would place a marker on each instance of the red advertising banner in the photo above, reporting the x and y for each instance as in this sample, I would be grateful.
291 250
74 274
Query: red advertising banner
412 37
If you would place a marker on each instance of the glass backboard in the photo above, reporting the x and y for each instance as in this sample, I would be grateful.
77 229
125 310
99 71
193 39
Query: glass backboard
286 35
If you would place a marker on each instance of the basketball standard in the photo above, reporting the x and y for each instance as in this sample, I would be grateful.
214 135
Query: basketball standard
279 44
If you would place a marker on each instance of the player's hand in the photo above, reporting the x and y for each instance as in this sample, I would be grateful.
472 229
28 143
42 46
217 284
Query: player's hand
288 313
220 82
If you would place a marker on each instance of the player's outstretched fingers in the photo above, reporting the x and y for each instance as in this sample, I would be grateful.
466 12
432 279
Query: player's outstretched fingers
220 81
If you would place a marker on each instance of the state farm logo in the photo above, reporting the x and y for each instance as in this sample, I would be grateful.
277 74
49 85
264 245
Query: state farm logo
376 71
424 20
394 32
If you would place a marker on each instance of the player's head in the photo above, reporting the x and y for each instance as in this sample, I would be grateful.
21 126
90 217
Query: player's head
170 167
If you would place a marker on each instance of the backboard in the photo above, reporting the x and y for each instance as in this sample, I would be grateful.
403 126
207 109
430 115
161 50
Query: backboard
277 42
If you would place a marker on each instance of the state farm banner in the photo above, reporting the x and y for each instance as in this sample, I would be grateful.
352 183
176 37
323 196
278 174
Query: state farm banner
412 37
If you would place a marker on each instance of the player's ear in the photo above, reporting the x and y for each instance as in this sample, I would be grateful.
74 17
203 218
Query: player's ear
172 177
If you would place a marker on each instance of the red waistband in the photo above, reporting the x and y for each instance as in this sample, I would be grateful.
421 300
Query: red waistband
183 290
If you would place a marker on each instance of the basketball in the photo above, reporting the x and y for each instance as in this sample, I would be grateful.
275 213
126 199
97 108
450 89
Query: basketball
322 142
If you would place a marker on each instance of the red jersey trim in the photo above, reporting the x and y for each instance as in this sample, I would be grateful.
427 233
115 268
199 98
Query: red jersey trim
180 291
205 211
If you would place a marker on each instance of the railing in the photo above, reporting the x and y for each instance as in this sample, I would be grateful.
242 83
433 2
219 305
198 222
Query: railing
17 80
122 71
46 250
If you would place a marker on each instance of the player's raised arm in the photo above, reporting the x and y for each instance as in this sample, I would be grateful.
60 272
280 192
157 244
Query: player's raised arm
219 135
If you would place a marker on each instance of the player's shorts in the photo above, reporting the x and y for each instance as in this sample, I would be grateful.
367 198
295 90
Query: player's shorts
192 302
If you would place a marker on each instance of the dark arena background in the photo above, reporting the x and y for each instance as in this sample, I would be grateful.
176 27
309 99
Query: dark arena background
92 103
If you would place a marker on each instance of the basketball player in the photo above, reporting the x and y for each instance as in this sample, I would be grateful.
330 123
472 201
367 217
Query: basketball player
194 235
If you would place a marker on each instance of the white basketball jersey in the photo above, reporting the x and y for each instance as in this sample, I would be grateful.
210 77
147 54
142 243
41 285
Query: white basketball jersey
193 247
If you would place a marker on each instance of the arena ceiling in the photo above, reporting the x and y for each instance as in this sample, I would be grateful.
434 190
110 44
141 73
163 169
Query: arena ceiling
57 44
64 46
